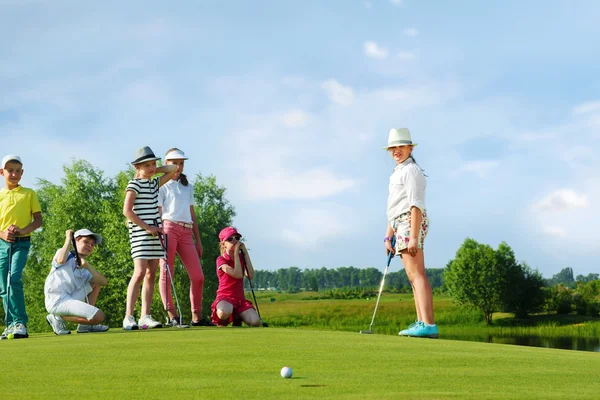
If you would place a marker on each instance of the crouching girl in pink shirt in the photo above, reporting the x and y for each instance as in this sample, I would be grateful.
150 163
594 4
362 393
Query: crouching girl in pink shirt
231 304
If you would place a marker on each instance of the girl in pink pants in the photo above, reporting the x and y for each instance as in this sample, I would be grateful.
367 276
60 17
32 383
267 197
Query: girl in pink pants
176 202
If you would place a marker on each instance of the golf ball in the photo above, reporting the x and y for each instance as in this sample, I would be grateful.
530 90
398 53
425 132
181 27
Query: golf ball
10 336
144 326
286 372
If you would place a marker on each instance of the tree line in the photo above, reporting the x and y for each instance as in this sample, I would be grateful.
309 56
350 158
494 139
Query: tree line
294 279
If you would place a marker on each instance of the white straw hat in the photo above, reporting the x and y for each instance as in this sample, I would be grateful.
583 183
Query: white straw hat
399 137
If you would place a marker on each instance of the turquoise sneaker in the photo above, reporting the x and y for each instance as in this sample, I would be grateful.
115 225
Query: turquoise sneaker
420 329
411 327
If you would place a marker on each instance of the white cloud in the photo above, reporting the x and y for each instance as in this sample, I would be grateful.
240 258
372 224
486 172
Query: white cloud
412 32
563 200
586 108
554 231
397 3
338 93
375 51
310 227
282 183
480 168
405 55
294 118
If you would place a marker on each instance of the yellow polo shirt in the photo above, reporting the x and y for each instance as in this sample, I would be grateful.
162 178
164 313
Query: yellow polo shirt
17 207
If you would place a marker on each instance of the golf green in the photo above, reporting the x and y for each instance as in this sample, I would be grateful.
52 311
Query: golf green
245 363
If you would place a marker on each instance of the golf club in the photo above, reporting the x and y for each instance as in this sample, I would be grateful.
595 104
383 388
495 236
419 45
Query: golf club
164 243
78 263
370 330
7 311
263 323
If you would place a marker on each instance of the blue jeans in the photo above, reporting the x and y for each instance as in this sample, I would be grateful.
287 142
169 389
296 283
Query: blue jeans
13 302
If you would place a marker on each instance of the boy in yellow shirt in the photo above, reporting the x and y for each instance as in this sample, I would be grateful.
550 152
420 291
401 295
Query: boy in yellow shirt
20 214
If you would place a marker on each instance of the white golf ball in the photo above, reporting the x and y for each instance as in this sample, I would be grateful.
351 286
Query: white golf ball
286 372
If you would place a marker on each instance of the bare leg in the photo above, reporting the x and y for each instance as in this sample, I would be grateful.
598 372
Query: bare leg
415 270
98 317
133 289
148 287
224 309
250 317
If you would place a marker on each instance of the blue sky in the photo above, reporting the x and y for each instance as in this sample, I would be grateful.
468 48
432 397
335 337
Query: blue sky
288 104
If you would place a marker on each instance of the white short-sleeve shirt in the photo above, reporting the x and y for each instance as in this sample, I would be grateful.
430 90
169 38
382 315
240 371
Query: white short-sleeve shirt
66 281
407 189
175 200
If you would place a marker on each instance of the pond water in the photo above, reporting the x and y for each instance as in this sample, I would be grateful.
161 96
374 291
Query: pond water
566 343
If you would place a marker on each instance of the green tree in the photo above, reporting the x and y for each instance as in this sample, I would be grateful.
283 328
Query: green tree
526 292
477 276
564 277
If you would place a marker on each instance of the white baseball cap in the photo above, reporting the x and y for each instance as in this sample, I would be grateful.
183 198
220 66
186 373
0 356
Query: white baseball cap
87 232
11 157
175 154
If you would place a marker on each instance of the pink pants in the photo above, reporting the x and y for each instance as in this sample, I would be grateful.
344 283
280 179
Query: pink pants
181 241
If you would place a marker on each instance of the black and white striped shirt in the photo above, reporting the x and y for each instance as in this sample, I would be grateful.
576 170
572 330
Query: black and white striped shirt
144 245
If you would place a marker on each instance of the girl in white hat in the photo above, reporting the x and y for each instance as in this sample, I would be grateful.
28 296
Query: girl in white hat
176 204
407 220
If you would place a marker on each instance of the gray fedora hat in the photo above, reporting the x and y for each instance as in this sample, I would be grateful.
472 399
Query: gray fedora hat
399 137
144 154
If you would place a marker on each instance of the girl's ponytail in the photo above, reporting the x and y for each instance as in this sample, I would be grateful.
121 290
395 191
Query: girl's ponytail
183 179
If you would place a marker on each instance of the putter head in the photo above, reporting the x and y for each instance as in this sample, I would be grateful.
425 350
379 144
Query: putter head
368 332
182 326
264 324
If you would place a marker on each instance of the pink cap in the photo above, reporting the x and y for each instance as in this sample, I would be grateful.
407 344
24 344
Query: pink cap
227 232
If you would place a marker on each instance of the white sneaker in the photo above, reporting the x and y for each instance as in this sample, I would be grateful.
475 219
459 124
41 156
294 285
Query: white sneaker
20 331
57 324
149 322
91 328
129 323
7 331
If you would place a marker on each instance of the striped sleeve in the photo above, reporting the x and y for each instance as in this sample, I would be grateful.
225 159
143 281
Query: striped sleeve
134 186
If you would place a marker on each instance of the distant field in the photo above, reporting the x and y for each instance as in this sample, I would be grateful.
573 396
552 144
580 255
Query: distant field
243 363
396 311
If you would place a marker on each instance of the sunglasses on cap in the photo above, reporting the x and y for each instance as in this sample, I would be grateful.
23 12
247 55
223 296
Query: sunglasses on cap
231 238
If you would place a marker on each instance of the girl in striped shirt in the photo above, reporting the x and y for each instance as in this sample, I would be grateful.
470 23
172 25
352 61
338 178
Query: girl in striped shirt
141 210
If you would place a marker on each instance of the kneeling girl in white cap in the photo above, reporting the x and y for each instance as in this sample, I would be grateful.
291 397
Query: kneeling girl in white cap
71 290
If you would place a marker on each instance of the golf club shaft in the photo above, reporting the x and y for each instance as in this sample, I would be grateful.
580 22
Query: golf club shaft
250 282
78 263
164 243
389 260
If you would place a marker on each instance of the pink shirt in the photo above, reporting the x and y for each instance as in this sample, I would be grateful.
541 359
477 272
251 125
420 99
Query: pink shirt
228 285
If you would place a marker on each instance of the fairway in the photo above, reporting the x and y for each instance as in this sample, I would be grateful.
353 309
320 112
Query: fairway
217 363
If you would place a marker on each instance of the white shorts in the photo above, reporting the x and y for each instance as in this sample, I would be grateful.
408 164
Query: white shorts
76 308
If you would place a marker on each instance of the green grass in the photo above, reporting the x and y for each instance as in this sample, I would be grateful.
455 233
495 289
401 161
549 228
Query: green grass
215 363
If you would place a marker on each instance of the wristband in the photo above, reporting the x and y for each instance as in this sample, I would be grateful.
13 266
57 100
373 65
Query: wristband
387 239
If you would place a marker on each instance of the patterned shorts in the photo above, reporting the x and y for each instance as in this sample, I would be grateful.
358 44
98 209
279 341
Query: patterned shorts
401 226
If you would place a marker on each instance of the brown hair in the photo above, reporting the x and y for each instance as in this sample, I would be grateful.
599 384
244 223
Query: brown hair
182 177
